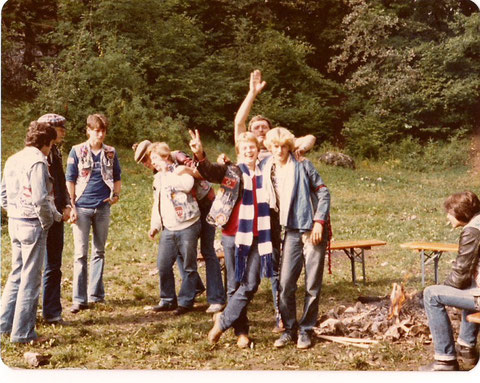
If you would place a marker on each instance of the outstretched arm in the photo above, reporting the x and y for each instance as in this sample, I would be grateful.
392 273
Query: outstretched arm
303 145
256 86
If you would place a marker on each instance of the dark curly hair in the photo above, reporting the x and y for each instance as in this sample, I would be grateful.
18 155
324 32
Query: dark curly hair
463 206
40 134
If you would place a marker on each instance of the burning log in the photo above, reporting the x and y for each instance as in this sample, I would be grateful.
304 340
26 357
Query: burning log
395 319
397 299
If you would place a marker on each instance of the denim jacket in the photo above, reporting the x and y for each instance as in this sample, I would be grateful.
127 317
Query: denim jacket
230 179
27 189
85 164
310 197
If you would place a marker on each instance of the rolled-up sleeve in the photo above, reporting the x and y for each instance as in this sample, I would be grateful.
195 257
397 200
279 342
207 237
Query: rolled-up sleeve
72 167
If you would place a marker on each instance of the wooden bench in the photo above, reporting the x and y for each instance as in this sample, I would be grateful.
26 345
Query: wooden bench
430 251
355 251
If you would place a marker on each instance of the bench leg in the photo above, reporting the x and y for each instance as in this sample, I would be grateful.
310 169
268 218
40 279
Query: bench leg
422 256
436 261
352 261
363 267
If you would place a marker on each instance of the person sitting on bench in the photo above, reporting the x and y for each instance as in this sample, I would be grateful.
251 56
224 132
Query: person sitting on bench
461 289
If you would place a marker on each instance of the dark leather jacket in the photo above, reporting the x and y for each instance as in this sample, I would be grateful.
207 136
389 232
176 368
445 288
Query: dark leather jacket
55 169
464 267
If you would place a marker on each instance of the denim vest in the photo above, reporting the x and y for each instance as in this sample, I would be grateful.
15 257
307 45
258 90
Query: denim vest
226 197
185 205
17 198
85 164
201 188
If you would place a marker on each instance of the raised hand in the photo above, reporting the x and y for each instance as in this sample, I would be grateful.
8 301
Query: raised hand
196 144
223 159
256 83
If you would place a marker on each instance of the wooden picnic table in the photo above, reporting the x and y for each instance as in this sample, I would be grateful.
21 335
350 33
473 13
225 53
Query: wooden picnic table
430 251
355 251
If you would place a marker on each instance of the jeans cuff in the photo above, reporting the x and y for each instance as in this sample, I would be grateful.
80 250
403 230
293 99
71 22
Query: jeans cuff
461 342
22 340
54 319
445 358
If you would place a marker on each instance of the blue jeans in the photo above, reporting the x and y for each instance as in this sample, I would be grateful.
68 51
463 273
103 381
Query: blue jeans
274 280
435 299
172 243
228 243
98 219
297 253
52 276
20 296
235 314
215 289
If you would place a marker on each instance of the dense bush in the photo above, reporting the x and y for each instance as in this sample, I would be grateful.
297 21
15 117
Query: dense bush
411 154
361 74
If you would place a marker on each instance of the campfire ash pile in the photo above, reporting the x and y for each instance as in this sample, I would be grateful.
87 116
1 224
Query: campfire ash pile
372 319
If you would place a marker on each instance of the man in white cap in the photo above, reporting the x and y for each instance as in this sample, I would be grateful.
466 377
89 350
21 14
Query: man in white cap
52 277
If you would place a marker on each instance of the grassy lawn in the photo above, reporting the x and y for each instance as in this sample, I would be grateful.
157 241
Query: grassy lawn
372 202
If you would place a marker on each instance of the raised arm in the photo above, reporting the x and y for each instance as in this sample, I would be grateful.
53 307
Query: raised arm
211 172
256 86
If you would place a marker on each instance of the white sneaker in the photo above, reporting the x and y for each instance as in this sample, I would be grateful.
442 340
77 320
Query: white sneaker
215 308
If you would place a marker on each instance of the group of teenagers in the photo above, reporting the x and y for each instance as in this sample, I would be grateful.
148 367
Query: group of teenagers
271 206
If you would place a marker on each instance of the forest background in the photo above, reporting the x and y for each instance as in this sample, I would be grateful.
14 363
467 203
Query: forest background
377 78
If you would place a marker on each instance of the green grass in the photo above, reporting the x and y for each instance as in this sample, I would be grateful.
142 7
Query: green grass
373 201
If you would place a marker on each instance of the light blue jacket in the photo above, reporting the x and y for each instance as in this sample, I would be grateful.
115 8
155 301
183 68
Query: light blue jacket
310 201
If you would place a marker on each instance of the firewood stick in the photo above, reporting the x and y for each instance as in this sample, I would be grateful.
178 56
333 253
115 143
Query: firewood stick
333 339
352 340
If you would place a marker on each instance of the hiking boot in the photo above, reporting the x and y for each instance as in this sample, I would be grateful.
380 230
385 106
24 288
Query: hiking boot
77 307
304 342
58 322
216 332
468 355
243 341
181 310
164 307
441 365
215 308
284 339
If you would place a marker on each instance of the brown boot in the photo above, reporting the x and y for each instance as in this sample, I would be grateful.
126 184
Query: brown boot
216 332
441 365
243 341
